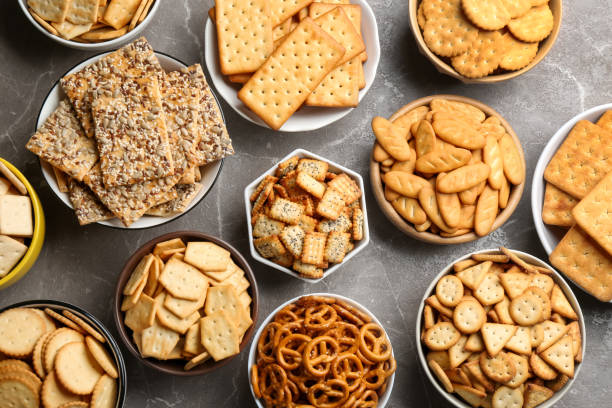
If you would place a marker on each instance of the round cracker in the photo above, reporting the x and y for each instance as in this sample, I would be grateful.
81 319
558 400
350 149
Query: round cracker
469 316
105 393
518 54
505 397
76 369
15 392
543 282
53 395
441 336
486 14
544 300
541 368
534 26
101 356
449 36
439 372
74 404
49 322
517 8
20 329
63 320
26 376
522 370
449 290
37 355
499 368
13 364
56 341
483 57
526 310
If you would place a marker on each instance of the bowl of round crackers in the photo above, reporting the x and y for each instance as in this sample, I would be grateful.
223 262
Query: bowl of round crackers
90 25
446 169
22 231
502 327
513 35
186 303
56 354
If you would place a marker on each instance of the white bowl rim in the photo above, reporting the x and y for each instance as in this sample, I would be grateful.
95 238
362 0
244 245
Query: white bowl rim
251 359
93 46
162 220
523 255
538 185
366 230
309 123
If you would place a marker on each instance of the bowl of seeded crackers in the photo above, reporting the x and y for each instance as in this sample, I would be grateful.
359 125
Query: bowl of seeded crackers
186 303
22 225
500 328
306 216
570 200
446 169
91 25
485 41
55 354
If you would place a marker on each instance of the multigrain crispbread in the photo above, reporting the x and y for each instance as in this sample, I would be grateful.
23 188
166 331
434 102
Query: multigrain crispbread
198 310
87 207
478 342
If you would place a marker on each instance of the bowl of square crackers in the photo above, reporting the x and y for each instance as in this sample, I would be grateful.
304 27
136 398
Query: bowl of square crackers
91 25
500 328
55 354
446 169
186 303
22 225
570 200
485 41
306 216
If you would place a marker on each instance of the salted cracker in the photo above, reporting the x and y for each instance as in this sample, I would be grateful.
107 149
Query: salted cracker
557 207
486 14
594 213
119 12
338 25
281 10
447 31
533 26
483 57
11 251
219 335
50 10
183 280
518 54
82 12
69 30
340 88
16 216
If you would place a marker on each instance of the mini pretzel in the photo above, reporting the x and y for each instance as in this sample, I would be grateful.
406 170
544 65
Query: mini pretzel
320 317
330 394
349 368
289 351
319 354
265 344
374 343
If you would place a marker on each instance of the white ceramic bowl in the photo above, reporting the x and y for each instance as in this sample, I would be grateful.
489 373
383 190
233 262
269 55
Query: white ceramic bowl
307 117
383 399
549 234
100 46
453 398
209 172
335 167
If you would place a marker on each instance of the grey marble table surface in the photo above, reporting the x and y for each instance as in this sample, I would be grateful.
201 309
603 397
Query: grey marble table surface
81 264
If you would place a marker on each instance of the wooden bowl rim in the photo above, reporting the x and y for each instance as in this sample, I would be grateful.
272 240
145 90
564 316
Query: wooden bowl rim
176 367
392 215
546 45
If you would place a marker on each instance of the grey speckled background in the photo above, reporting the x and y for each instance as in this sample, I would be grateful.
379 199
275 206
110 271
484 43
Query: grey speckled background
80 265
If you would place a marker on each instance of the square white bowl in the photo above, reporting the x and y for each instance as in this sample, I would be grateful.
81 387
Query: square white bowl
549 234
334 167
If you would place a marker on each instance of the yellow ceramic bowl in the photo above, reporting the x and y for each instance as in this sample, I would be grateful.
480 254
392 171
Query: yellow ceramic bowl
37 238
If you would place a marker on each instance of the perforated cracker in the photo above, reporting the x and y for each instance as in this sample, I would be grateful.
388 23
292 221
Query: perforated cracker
84 11
448 33
50 10
483 57
337 24
340 88
557 207
281 10
486 14
533 26
518 54
582 160
594 213
605 121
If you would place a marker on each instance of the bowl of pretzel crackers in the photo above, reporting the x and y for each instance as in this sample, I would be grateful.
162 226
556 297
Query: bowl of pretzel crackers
306 216
321 350
570 200
500 328
485 41
446 169
186 303
55 354
90 25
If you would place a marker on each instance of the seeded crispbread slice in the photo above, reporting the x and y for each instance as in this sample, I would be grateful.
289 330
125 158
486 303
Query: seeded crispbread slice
265 226
186 193
87 207
557 207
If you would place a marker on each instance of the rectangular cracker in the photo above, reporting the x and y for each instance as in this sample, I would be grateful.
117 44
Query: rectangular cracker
605 121
313 251
219 335
50 10
337 24
243 50
82 12
265 226
340 88
69 31
193 344
134 60
16 217
280 31
61 142
11 252
119 12
307 270
582 160
158 341
594 213
286 211
269 247
341 224
142 314
337 246
219 276
207 256
127 125
87 207
293 239
557 207
347 187
358 224
185 195
331 205
60 179
310 185
215 143
316 168
295 68
183 281
281 10
585 262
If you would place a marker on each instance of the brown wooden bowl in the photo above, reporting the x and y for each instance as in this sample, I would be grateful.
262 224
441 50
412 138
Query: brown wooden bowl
445 68
175 367
408 228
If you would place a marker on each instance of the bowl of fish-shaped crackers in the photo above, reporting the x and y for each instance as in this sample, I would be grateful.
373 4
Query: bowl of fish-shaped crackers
485 41
570 200
123 181
90 25
22 225
186 303
446 169
501 328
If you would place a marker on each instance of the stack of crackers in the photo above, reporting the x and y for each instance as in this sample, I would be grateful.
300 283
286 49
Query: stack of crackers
131 137
306 217
447 167
291 53
484 37
187 302
16 220
500 332
54 360
578 196
89 21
